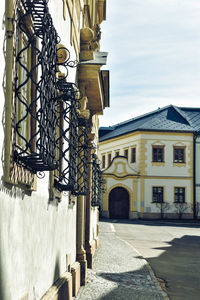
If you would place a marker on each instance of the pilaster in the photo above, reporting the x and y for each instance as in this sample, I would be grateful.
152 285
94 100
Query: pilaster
81 213
88 245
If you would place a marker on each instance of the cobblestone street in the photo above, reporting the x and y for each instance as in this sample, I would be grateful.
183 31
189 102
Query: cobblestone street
119 272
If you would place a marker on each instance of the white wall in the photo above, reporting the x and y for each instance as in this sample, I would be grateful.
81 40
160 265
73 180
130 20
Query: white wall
168 168
156 174
35 238
94 222
35 235
120 145
168 186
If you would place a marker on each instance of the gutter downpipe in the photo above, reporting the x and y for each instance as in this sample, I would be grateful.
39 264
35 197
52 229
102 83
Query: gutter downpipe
9 27
194 175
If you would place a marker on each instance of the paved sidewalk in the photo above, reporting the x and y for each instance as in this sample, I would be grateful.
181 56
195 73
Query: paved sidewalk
119 272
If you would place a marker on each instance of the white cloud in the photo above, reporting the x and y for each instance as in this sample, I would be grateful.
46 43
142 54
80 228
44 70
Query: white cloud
154 59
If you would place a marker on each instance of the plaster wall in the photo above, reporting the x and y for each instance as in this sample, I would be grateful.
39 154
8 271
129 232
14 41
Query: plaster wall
167 174
120 144
35 234
143 143
168 167
94 222
112 182
168 186
138 194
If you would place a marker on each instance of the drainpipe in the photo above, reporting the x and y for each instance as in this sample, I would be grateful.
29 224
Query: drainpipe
9 25
194 175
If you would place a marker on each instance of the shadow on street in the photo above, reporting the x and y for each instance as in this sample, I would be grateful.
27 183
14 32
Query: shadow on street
179 262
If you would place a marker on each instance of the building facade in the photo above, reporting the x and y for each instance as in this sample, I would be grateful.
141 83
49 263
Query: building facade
151 165
53 90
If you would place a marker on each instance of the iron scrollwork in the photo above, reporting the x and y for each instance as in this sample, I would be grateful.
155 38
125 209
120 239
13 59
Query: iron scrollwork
97 182
71 143
50 134
82 166
36 113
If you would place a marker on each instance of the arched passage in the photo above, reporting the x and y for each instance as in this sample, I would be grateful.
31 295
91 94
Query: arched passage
119 203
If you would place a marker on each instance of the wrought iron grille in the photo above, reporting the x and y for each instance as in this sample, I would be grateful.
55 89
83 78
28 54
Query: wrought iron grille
36 88
67 138
97 182
50 134
82 166
71 143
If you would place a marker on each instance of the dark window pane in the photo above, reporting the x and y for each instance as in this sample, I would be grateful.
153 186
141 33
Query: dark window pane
179 194
157 194
179 155
158 154
133 155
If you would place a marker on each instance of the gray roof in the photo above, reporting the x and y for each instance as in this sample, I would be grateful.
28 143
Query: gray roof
169 118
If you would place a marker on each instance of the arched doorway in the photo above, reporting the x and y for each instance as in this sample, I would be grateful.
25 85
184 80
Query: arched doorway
119 203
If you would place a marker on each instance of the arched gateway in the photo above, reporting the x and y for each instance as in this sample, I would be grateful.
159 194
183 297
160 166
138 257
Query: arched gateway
119 203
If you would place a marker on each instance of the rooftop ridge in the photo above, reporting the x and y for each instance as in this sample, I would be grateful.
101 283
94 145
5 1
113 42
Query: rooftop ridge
141 116
183 115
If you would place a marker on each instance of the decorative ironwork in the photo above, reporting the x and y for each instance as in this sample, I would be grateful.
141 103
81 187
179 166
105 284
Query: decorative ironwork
67 138
82 166
97 182
50 134
37 112
71 143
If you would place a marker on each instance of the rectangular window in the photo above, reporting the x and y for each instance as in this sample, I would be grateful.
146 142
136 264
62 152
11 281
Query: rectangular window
126 153
35 88
179 195
117 153
109 159
24 91
103 161
133 155
179 154
23 110
158 154
157 195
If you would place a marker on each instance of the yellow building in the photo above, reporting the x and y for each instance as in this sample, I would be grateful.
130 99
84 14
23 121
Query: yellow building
151 166
53 90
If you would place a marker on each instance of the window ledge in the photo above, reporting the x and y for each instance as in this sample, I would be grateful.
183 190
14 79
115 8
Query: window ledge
180 164
158 164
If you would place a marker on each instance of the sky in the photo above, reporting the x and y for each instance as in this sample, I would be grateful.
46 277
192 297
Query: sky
154 56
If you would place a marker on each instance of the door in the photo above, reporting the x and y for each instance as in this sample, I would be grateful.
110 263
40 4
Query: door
119 203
